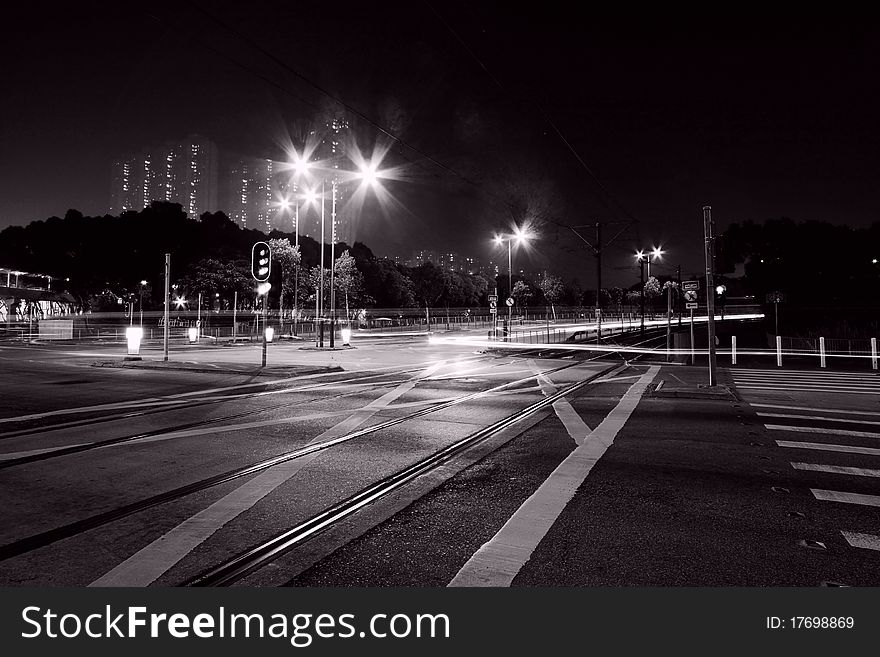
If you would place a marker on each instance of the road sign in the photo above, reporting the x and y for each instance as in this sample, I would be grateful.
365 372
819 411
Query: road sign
493 298
492 305
509 301
775 297
691 285
690 305
690 295
493 310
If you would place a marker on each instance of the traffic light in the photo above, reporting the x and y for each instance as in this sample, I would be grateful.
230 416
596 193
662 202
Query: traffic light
261 262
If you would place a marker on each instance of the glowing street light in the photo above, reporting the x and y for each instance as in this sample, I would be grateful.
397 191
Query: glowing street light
520 236
143 284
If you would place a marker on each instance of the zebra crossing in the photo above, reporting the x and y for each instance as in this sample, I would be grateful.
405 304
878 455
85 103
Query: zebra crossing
822 381
811 456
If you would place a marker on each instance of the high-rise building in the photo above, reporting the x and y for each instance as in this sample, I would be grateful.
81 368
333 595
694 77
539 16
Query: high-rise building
252 185
333 138
181 172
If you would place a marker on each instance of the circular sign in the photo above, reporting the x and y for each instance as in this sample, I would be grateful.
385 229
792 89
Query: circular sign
690 295
492 304
509 301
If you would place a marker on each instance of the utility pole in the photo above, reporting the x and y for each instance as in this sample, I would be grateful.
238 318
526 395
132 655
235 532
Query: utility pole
332 264
642 293
598 283
680 296
167 293
265 325
668 321
709 233
597 251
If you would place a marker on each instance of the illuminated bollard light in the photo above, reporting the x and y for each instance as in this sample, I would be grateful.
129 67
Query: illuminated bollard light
346 336
270 333
133 335
193 335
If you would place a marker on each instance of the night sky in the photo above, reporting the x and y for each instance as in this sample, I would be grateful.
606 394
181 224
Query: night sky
760 117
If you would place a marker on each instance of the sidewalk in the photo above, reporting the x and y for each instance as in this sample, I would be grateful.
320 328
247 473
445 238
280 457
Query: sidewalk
690 382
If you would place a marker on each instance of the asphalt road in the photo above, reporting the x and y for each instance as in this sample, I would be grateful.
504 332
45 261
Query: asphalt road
684 489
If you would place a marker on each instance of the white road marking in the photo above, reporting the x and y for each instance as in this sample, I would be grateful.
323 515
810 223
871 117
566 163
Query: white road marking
153 560
827 447
780 389
805 387
10 456
616 379
185 396
866 541
498 561
804 374
846 498
812 408
836 469
834 432
573 423
819 418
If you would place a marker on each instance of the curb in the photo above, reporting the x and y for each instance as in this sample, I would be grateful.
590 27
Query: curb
218 370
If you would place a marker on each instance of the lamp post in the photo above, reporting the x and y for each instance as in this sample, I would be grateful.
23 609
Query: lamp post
369 175
520 236
143 283
644 259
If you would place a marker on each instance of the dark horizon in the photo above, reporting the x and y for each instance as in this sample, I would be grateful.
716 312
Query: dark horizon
759 119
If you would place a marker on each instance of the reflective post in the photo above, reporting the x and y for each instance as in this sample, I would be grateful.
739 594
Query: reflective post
873 353
733 349
822 352
778 351
234 315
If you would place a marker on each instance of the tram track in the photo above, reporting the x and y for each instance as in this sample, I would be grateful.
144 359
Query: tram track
69 530
251 560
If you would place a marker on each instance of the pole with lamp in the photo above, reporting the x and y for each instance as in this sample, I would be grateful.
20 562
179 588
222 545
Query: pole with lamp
333 189
520 236
143 284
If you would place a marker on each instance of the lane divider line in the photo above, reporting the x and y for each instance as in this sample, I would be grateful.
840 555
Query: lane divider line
499 560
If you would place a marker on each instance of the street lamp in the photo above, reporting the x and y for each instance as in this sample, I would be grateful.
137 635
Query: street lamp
143 284
520 236
645 259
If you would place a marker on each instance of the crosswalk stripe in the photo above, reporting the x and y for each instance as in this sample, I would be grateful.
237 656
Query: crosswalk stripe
807 382
836 469
779 388
845 498
812 408
802 373
835 432
866 541
829 447
820 418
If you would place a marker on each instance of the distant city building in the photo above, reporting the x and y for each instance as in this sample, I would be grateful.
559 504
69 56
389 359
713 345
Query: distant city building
183 172
424 255
252 186
451 261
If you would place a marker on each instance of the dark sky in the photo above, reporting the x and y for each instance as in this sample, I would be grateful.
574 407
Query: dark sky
758 116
